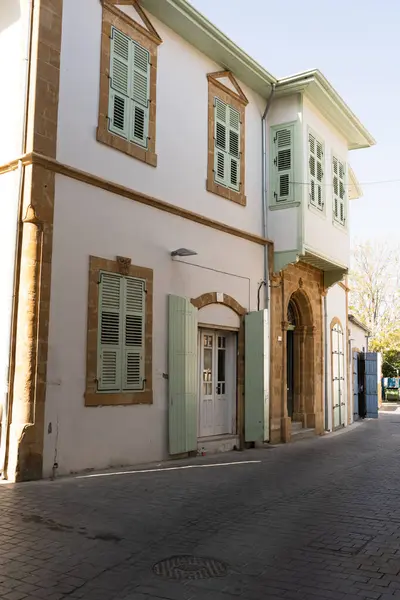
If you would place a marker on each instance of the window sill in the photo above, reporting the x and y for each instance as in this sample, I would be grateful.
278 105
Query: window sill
317 211
226 193
339 225
118 399
284 205
109 139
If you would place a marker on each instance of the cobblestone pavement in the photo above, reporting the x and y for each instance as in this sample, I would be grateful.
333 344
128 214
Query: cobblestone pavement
318 519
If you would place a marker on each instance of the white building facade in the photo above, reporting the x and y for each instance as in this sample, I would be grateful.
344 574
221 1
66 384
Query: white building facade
152 240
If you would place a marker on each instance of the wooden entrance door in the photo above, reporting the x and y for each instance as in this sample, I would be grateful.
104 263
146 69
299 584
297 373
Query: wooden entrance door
338 377
217 382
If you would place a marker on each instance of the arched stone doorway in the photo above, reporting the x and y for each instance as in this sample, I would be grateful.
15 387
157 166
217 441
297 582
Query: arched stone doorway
213 336
300 360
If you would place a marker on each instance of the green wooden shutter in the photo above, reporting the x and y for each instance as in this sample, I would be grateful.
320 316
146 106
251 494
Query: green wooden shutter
118 108
109 341
234 148
182 375
221 167
316 171
256 394
140 94
283 162
339 190
134 316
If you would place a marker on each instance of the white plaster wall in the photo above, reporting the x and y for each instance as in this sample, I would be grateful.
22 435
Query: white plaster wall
182 122
321 234
283 225
89 221
283 228
358 337
218 314
336 307
13 51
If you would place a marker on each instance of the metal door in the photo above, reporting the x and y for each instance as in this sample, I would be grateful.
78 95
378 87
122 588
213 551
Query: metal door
371 384
356 413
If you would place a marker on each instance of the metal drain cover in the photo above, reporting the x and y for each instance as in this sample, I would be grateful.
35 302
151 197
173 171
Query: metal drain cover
190 567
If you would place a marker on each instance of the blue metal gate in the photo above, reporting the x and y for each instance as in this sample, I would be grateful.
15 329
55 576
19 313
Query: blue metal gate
371 384
356 411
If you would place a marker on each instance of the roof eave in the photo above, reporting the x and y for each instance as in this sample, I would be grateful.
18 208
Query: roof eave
312 84
196 29
355 189
358 323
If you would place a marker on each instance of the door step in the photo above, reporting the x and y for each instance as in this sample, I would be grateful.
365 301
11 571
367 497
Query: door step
217 443
299 433
296 426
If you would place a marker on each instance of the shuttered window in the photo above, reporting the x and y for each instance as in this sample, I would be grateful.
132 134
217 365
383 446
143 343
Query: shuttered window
121 343
339 190
129 98
227 145
316 171
282 142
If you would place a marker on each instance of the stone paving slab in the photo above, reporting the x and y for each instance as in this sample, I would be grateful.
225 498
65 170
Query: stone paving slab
316 519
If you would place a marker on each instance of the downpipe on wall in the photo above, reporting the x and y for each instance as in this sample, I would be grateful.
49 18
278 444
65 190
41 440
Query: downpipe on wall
14 273
265 235
264 193
326 360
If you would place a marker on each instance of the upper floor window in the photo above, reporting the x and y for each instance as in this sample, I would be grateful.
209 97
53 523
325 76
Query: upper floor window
129 92
127 107
227 145
316 171
226 137
282 166
339 190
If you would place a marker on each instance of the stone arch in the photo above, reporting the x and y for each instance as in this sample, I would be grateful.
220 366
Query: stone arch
299 342
226 300
336 321
302 305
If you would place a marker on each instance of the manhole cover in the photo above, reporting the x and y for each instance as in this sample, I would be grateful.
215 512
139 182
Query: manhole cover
190 567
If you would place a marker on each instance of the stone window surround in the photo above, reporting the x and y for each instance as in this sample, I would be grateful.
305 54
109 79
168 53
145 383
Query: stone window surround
239 101
149 39
124 267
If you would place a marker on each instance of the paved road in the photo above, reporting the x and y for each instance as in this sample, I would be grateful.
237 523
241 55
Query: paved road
319 519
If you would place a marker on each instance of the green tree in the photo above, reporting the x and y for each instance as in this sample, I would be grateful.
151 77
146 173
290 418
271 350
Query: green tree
374 282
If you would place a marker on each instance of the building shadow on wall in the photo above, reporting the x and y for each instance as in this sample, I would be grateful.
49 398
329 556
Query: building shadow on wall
10 12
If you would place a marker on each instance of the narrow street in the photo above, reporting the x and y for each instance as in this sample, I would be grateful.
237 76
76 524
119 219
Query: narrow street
316 519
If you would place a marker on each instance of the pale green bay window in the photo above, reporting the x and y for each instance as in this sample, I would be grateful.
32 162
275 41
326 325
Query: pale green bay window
227 145
129 98
282 167
339 190
121 337
316 171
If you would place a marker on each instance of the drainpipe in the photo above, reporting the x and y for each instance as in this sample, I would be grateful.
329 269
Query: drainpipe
326 359
264 191
13 283
265 228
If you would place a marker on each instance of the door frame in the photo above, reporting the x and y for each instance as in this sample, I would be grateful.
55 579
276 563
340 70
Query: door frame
233 406
342 388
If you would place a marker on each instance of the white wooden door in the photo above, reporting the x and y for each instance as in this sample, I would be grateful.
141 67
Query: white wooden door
338 378
217 385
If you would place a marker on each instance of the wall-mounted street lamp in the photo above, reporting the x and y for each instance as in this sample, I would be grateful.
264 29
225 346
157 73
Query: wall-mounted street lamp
183 252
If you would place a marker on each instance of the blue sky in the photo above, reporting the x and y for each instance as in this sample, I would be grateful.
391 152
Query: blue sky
356 45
